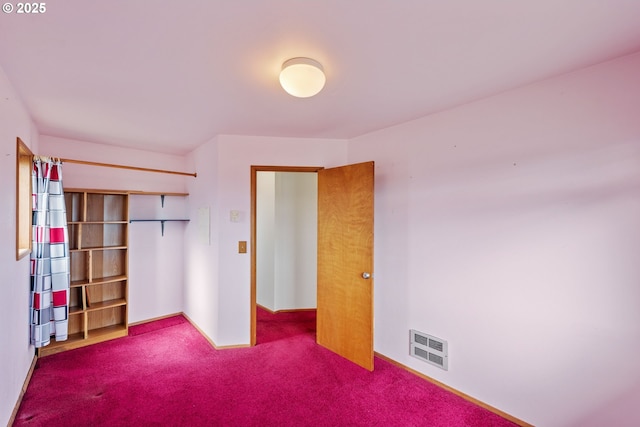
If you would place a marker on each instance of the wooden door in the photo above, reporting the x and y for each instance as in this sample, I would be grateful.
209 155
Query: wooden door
345 259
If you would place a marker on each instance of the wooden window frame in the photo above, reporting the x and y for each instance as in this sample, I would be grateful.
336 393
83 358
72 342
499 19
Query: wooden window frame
24 164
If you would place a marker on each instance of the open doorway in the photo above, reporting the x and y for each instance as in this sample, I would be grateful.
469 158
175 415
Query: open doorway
284 244
344 259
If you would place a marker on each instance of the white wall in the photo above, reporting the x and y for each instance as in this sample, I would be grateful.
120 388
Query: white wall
265 239
218 295
201 280
286 227
297 240
511 228
156 262
84 176
16 353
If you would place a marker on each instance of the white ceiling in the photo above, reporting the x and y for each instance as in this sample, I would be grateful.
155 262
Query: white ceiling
169 75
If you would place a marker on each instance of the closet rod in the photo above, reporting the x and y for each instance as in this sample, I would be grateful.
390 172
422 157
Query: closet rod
135 168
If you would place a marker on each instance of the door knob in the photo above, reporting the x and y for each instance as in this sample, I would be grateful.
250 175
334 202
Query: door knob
366 275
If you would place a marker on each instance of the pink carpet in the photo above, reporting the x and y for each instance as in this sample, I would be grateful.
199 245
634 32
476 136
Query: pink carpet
166 374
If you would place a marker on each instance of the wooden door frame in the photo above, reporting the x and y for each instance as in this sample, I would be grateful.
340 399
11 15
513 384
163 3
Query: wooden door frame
254 193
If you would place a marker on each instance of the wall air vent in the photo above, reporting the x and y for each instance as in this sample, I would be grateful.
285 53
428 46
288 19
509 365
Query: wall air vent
429 349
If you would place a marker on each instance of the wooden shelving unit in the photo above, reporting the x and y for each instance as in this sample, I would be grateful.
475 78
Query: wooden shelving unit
98 223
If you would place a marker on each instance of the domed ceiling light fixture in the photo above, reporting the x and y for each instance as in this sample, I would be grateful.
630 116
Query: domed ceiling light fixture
302 77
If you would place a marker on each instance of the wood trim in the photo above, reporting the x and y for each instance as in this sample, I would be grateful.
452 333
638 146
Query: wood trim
81 339
287 310
155 193
286 168
23 199
213 344
135 168
253 298
254 177
96 191
228 347
123 192
27 380
142 322
456 392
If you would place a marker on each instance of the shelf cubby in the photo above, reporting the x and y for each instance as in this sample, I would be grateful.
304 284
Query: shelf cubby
98 240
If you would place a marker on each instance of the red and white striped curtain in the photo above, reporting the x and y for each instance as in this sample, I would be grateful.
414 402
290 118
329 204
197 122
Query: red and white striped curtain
50 269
